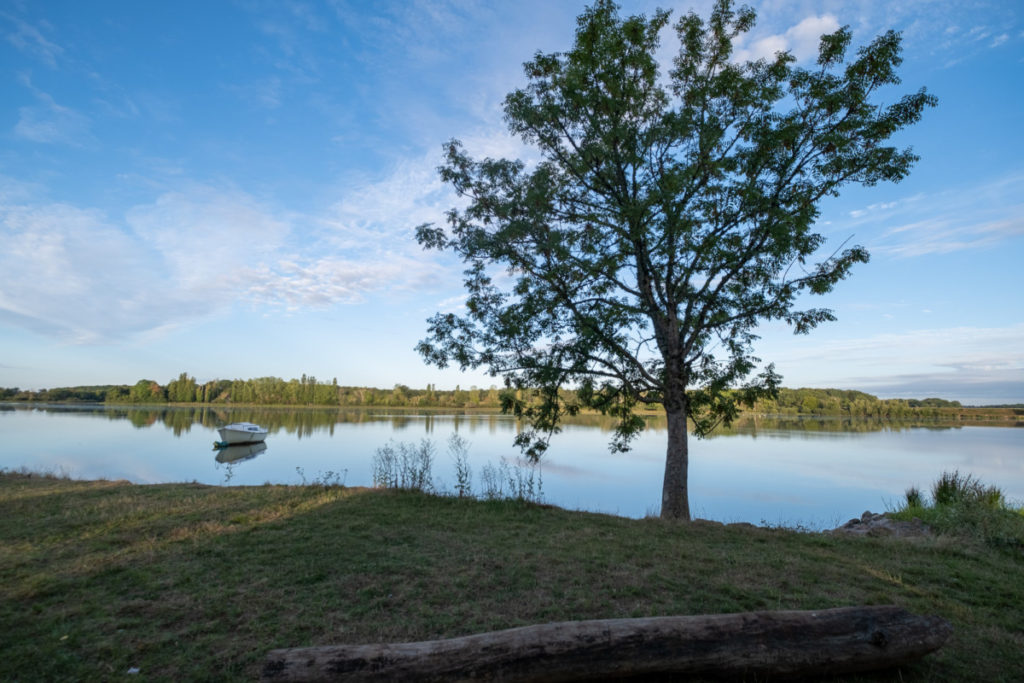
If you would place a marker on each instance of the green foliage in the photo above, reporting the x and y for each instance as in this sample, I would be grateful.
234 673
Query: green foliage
670 214
932 403
914 498
953 488
963 506
837 402
147 391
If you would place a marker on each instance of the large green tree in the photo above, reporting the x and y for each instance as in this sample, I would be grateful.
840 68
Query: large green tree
669 214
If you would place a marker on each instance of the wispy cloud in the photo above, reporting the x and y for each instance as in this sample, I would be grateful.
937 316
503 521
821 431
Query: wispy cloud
454 304
68 272
85 277
955 362
30 39
956 219
263 93
50 122
324 282
946 235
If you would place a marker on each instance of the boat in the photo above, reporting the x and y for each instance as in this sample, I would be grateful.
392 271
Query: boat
241 432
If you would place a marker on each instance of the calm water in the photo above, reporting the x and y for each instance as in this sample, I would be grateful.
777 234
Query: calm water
818 473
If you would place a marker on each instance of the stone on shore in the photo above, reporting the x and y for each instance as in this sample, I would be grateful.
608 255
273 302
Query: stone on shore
880 524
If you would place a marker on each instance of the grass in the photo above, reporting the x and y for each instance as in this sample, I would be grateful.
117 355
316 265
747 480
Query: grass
962 506
191 582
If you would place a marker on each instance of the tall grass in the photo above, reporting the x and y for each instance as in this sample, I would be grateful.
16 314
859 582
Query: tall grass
409 467
458 449
953 488
962 505
404 466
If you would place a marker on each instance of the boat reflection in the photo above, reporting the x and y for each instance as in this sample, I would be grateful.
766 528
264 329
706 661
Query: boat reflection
240 452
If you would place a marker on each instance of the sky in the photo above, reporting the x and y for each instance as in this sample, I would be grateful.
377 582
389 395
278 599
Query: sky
231 189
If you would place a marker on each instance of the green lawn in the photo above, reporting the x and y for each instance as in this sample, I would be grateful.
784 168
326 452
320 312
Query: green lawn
191 582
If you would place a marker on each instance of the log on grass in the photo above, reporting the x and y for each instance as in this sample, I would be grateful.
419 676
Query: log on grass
752 644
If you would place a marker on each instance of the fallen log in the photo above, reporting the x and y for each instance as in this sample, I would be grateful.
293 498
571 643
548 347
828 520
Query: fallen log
747 645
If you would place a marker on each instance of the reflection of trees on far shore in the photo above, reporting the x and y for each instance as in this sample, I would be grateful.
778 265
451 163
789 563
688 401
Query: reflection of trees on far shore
309 421
786 426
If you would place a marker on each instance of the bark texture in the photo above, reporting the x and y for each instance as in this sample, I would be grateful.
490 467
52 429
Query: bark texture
787 644
675 493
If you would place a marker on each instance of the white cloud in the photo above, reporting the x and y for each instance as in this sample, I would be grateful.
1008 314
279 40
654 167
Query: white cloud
801 39
68 272
204 235
76 274
454 304
762 48
328 281
805 37
411 194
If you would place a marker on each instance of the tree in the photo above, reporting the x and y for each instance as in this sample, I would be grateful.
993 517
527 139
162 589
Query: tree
666 219
182 390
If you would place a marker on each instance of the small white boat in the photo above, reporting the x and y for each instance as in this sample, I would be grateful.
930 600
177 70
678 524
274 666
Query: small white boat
242 432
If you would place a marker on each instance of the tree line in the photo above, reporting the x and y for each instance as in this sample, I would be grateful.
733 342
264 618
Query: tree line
846 403
305 391
309 391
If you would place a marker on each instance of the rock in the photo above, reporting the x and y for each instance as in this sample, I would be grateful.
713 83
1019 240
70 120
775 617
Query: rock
877 525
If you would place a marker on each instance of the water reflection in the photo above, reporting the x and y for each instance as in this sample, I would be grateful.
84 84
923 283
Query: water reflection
307 422
239 452
777 469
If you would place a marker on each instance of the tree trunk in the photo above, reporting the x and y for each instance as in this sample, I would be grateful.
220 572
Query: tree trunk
754 645
675 496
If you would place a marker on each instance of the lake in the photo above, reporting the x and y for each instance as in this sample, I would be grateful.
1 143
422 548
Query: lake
811 472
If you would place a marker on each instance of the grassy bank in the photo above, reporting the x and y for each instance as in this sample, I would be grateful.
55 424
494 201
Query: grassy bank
193 582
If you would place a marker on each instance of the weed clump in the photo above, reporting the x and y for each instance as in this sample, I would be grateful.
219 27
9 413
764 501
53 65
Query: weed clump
953 488
409 466
404 466
962 505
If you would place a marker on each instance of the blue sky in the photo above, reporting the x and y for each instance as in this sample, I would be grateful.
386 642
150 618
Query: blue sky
230 189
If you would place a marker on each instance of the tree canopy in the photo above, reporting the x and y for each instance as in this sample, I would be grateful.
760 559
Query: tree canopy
670 214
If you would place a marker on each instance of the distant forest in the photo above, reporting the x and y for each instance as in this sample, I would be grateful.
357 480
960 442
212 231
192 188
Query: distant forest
309 391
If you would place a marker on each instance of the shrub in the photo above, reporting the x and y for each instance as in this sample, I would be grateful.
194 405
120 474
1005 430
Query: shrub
953 488
963 506
914 499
